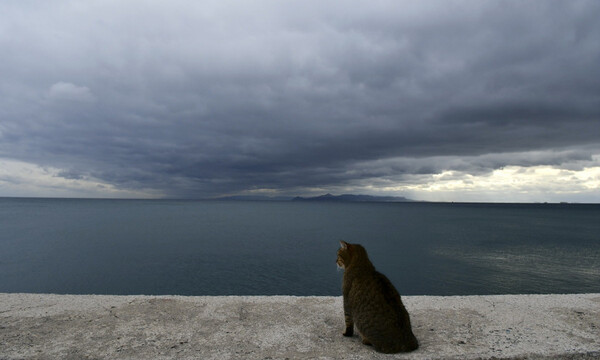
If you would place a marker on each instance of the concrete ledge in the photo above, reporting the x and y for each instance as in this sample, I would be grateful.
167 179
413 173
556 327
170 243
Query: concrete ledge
34 326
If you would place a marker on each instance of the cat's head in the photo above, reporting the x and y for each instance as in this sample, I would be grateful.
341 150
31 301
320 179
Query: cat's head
349 254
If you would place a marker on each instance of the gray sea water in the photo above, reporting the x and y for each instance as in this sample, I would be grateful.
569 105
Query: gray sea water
79 246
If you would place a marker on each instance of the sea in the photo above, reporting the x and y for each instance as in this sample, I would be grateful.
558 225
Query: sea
179 247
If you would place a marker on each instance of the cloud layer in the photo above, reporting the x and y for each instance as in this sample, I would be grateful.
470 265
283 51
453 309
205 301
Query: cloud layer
200 99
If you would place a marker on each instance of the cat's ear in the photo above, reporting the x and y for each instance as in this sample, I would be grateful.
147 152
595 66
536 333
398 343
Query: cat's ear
344 244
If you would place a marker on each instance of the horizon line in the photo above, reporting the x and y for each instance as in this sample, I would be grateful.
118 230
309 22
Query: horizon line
290 199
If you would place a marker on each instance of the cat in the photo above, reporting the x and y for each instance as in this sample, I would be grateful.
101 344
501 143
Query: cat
372 304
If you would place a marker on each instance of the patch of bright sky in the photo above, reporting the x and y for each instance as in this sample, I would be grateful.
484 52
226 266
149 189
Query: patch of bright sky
509 184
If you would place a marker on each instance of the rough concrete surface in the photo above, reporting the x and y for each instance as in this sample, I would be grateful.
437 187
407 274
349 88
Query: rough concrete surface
40 326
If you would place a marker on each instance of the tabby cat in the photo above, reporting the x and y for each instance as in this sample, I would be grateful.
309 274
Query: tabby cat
372 304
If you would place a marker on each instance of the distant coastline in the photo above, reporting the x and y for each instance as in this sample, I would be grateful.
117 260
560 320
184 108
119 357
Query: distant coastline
354 198
323 198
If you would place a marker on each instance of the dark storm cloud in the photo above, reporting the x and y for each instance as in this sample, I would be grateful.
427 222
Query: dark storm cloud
202 99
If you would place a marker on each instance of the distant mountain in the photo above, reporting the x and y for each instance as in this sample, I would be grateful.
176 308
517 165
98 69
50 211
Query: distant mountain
353 198
255 198
326 197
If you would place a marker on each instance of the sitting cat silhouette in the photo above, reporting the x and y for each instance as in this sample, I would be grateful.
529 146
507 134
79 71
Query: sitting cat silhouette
372 304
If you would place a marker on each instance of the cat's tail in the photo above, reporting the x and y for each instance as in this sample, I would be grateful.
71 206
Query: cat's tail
412 343
409 343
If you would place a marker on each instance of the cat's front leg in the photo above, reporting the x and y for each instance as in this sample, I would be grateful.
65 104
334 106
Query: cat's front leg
348 320
349 329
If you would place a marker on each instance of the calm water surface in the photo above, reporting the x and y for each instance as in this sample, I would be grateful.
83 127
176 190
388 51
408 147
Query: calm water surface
289 248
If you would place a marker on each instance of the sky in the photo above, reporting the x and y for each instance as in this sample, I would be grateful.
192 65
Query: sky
486 101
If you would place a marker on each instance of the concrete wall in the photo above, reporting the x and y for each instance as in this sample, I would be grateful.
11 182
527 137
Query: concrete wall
45 326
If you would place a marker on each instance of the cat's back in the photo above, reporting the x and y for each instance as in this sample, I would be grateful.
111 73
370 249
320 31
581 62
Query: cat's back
379 313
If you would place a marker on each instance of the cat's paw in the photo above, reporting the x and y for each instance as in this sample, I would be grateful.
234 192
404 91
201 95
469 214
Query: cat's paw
348 332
